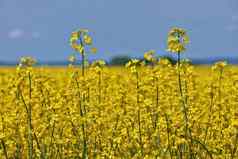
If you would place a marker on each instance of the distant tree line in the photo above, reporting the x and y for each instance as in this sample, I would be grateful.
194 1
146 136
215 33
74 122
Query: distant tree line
120 60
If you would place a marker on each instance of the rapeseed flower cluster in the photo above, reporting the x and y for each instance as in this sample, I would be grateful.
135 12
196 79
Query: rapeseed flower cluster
164 111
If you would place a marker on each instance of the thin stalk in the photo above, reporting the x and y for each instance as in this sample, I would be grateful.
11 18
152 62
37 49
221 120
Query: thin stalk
84 155
187 130
219 92
51 140
233 152
182 96
138 113
82 56
2 141
99 86
4 148
156 125
83 63
168 135
83 125
210 113
113 134
30 135
18 143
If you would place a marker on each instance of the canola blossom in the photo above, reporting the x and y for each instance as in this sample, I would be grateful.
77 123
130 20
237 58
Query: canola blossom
141 111
177 40
107 102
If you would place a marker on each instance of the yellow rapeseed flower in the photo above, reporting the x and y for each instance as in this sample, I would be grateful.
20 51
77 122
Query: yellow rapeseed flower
87 40
177 40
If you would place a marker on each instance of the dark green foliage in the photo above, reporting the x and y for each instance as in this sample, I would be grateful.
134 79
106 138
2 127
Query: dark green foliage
119 60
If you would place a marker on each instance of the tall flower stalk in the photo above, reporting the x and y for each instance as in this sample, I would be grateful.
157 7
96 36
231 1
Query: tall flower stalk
26 63
133 66
80 41
177 40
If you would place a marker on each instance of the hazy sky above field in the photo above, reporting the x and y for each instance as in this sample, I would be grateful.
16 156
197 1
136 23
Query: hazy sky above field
41 28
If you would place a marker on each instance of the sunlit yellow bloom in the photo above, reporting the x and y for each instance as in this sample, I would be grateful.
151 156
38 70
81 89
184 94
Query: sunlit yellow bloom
149 55
164 62
87 40
27 61
219 65
177 40
98 63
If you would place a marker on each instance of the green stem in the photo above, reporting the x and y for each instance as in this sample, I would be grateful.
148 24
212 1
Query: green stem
219 92
4 148
233 152
138 113
84 155
83 67
186 121
168 135
83 125
30 136
99 86
83 57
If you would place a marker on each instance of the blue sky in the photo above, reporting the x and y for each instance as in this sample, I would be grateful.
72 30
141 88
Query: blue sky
41 28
